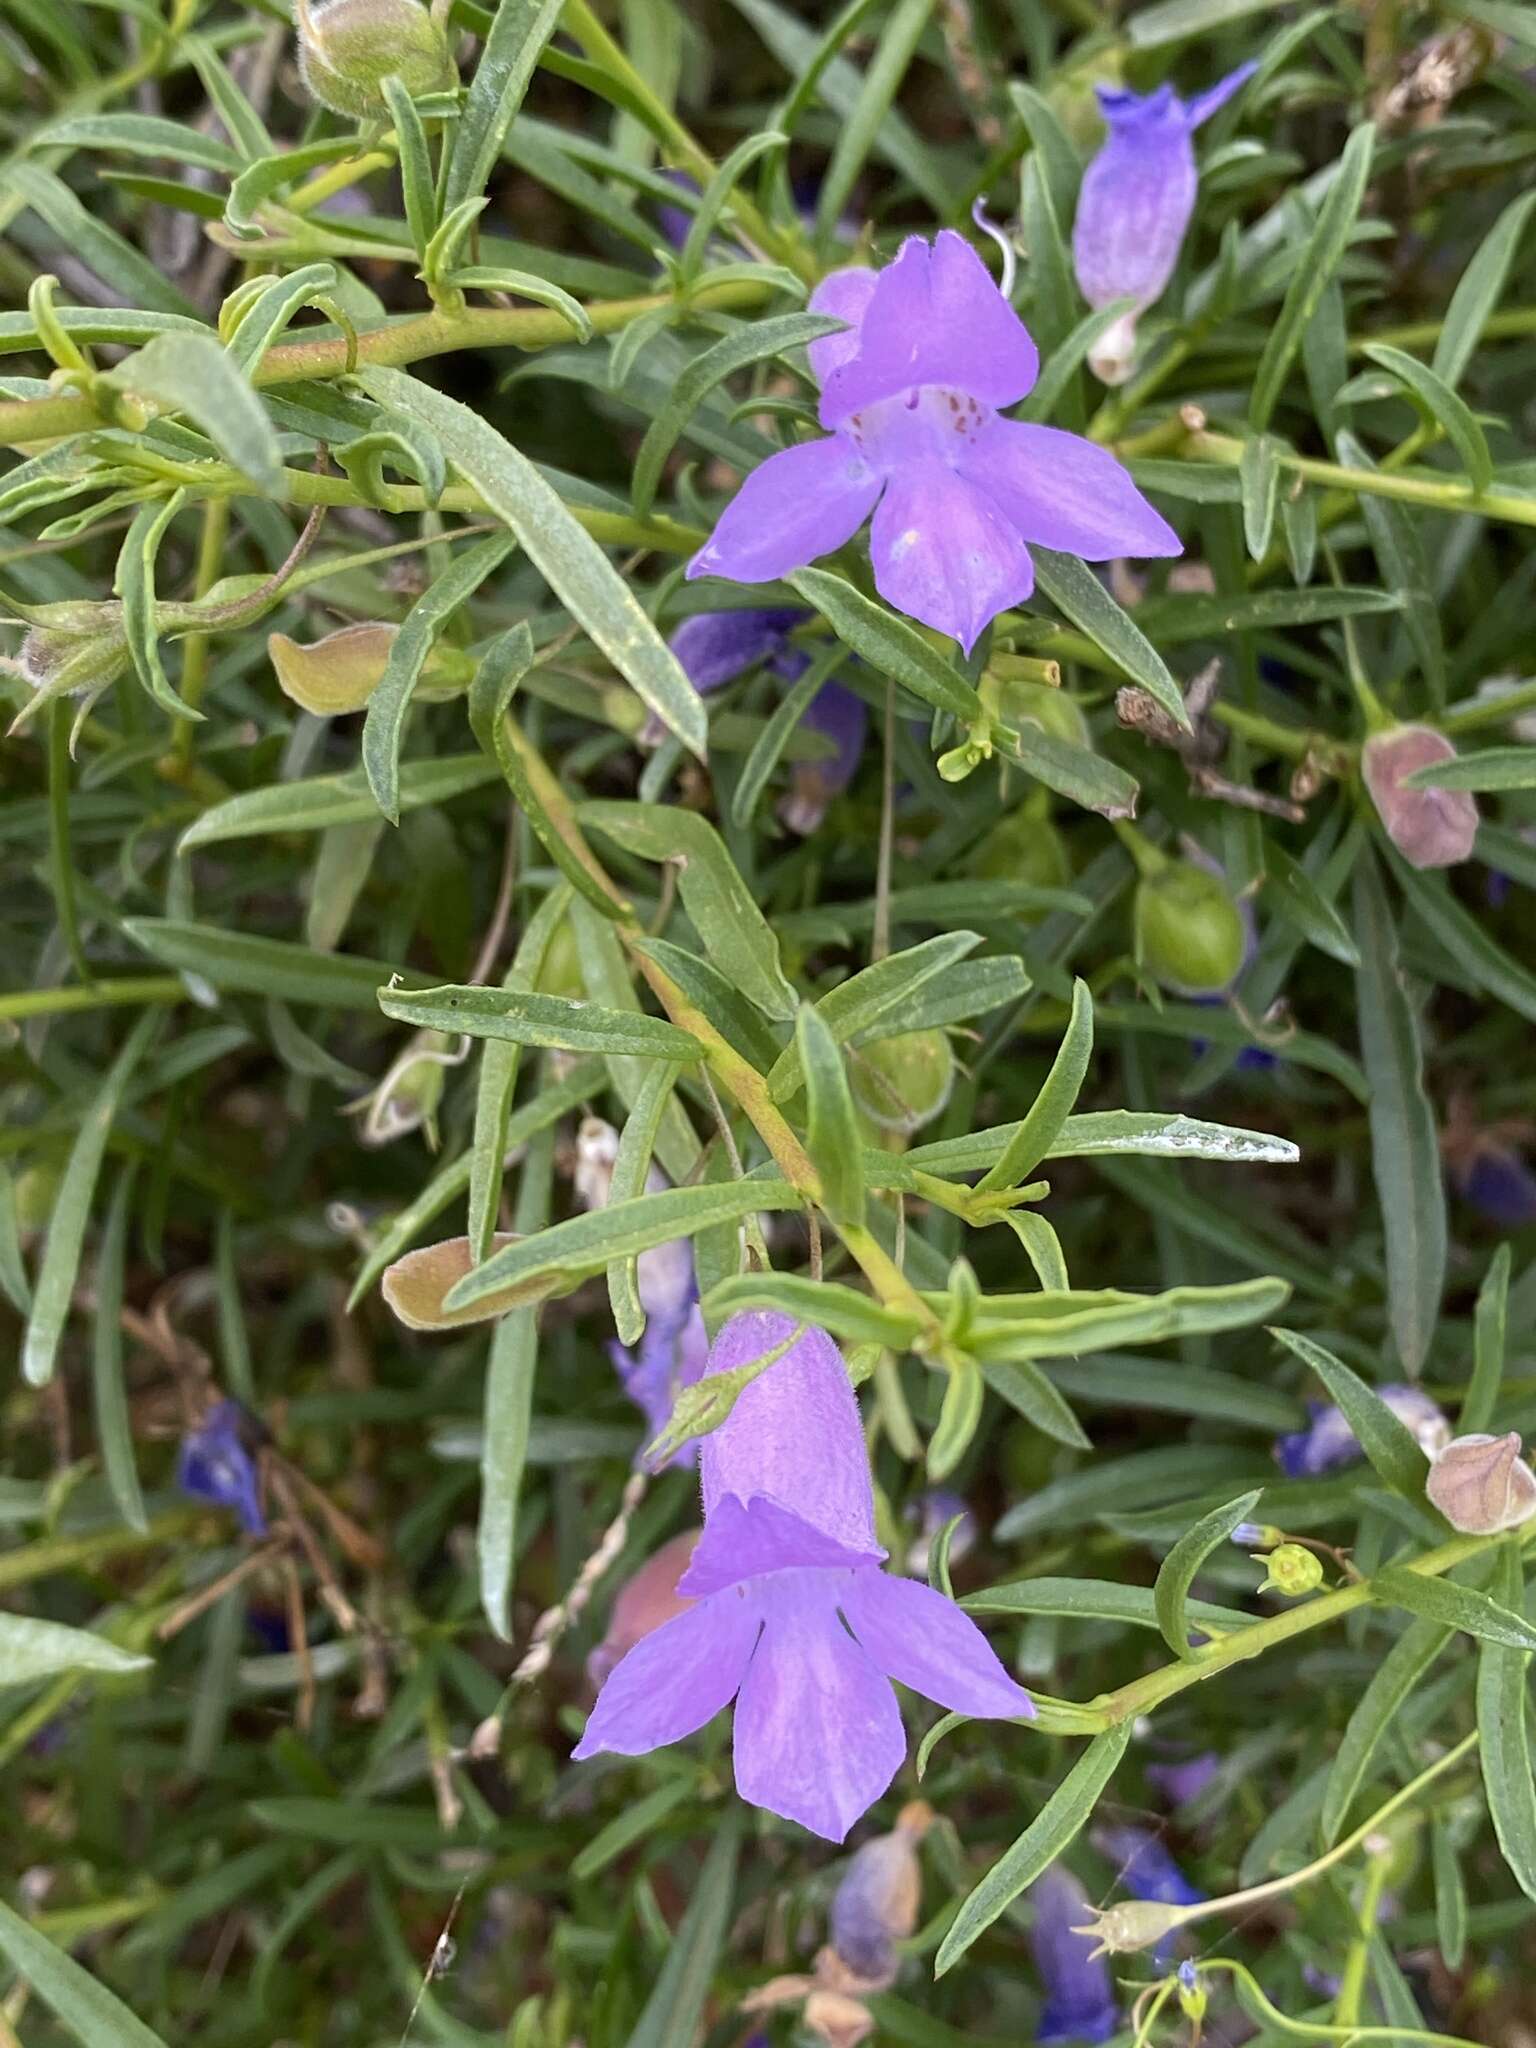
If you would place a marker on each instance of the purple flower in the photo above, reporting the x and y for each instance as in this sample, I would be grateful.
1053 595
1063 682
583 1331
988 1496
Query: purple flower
1181 1784
1431 828
1137 198
794 1614
1080 2000
1328 1441
875 1904
912 397
1498 1182
716 647
1148 1872
673 1345
216 1463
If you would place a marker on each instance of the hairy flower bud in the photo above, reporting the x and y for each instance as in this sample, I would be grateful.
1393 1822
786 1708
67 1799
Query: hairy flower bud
1190 933
1133 1924
1431 828
73 649
341 672
902 1083
1192 1995
875 1906
1481 1484
1293 1571
347 48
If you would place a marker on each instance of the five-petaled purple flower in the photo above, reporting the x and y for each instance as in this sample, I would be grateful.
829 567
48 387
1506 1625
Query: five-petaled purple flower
795 1619
714 648
912 398
216 1463
1135 205
1080 2002
1328 1441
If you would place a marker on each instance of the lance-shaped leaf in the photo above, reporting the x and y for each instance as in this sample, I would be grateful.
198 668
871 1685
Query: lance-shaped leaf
1386 1442
1032 1139
832 1125
1176 1575
521 1017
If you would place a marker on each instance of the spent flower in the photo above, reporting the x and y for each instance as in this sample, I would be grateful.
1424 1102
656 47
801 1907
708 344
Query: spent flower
1431 828
912 397
1135 206
1147 1871
1482 1484
216 1462
795 1620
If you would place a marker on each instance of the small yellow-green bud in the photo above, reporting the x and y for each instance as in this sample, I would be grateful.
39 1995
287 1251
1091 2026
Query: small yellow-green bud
1189 932
1292 1571
902 1083
1481 1484
1192 1994
347 48
341 672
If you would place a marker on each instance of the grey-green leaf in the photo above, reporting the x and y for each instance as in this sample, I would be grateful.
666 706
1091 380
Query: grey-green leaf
1503 1727
1177 1572
1386 1442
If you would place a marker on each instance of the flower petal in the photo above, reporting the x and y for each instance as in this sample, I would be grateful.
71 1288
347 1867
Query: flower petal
675 1680
919 1637
818 1731
1135 204
944 552
843 295
1204 104
1066 493
801 1399
935 317
716 647
745 1537
842 718
799 504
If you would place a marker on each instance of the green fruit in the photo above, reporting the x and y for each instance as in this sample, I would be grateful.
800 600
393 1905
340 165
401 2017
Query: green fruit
1023 848
560 974
1054 711
1189 932
347 49
902 1083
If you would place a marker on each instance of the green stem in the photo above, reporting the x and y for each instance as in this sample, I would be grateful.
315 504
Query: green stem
60 860
97 995
86 1553
1313 2031
194 659
25 420
1447 495
1346 2011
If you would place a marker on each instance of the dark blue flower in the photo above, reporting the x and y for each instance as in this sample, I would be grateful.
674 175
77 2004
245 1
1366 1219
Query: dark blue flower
1499 1183
216 1463
1080 2002
1328 1441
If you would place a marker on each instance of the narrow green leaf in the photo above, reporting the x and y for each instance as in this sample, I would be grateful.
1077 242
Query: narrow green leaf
1058 156
1053 1828
13 1270
875 996
139 135
31 1650
114 1427
415 165
1491 768
1405 1153
325 801
1027 1326
1386 1442
1314 269
509 1376
1479 290
133 278
1042 1247
1375 1711
524 1018
1075 772
1489 1322
71 1215
1479 956
1304 906
634 1825
1459 1607
1450 1893
192 375
1075 591
737 1020
1099 1600
631 1165
900 34
560 548
1177 1572
268 311
93 2014
266 967
887 643
1504 1731
776 734
1033 1138
1259 474
716 196
736 935
676 2006
1452 413
384 725
1112 1132
519 30
1404 561
832 1125
843 1310
959 1418
1021 1383
134 583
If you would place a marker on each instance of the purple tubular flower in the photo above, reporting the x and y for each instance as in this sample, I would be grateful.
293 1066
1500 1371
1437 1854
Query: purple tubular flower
795 1619
1148 1872
1080 2002
1499 1183
841 717
912 397
1181 1784
1328 1441
216 1463
714 648
1134 209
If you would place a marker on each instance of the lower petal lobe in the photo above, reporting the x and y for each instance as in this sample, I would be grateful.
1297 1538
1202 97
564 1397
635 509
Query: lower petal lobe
676 1679
917 1636
945 553
799 504
1066 493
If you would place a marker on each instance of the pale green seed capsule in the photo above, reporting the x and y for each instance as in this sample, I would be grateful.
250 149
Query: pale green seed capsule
347 48
902 1083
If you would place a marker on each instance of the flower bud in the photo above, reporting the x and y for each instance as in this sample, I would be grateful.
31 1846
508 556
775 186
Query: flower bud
902 1083
347 48
1189 932
1255 1536
1293 1571
645 1601
217 1463
1192 1999
1481 1484
1133 1924
73 649
407 1097
876 1904
1431 828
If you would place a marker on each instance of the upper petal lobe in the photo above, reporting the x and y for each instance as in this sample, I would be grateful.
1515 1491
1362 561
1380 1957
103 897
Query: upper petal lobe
799 504
743 1538
675 1680
1066 493
935 317
917 1636
818 1731
944 552
843 295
